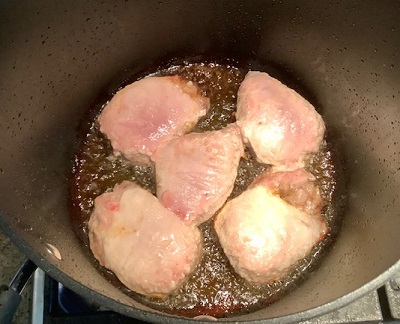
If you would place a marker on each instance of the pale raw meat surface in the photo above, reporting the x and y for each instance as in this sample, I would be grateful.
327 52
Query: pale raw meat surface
295 187
148 113
196 172
263 236
279 124
148 247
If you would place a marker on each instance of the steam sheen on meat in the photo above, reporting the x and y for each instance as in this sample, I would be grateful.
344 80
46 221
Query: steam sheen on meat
196 172
148 113
262 234
280 125
148 247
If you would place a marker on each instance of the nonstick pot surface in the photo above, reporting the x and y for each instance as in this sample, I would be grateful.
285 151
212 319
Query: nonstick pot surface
57 56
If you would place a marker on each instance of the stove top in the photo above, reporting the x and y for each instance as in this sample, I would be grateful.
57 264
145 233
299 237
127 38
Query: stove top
53 303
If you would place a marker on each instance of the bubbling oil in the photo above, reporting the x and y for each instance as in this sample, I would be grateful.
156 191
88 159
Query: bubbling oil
214 288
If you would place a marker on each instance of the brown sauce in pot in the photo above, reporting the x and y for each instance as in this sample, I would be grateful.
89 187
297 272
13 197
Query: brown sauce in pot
214 288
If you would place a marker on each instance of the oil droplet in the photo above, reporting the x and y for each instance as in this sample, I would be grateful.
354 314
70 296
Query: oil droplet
53 251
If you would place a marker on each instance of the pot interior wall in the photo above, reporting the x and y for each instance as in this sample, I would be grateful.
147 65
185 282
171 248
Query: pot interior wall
57 56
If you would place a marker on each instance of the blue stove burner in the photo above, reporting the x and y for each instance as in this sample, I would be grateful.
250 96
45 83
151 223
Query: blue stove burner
53 303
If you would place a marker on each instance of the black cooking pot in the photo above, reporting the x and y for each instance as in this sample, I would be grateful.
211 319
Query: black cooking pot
56 56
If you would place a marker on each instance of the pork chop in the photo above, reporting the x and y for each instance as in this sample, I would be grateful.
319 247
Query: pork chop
148 113
279 124
196 172
263 235
148 247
